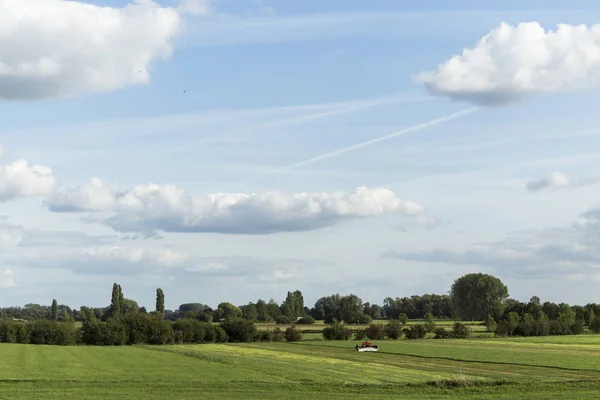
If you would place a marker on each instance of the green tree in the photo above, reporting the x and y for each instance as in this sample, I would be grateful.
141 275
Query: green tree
591 317
475 296
327 308
114 311
293 334
160 302
566 315
250 312
54 313
262 311
226 310
393 329
191 307
293 305
403 318
65 317
429 323
336 331
512 321
129 306
595 325
273 309
543 324
375 332
460 331
351 309
239 329
490 324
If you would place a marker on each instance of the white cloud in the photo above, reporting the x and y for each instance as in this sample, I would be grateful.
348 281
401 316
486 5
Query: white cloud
163 262
153 208
19 179
58 47
511 62
9 240
556 180
7 278
110 260
566 252
194 7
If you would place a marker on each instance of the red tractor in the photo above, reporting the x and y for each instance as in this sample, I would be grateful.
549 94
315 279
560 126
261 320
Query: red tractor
366 346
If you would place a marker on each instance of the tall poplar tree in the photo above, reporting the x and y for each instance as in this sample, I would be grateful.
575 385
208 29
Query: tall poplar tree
115 302
54 310
160 302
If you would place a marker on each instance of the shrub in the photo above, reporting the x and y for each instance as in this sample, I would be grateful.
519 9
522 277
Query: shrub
415 332
293 334
277 335
393 329
403 318
429 323
375 332
442 333
460 331
51 332
239 329
307 320
360 334
284 320
189 330
159 331
113 333
365 319
337 331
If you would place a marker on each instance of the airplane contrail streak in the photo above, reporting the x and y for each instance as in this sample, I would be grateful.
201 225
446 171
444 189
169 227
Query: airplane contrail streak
357 146
312 116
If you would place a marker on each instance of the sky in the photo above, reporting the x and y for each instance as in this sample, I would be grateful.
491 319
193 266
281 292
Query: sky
234 150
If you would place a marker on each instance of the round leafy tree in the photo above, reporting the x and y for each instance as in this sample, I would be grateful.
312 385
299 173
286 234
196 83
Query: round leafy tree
475 296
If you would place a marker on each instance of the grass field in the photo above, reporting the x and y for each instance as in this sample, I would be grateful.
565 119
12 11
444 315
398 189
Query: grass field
314 332
532 368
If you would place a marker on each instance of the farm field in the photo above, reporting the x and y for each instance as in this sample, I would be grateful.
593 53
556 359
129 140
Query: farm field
314 332
524 368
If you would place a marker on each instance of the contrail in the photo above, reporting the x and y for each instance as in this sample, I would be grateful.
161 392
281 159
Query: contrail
357 146
340 109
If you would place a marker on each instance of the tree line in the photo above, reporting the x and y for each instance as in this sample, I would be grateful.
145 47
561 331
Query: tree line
473 297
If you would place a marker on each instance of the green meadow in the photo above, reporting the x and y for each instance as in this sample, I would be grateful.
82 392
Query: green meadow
524 368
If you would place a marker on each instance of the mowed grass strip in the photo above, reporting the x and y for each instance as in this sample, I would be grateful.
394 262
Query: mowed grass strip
316 366
408 365
569 354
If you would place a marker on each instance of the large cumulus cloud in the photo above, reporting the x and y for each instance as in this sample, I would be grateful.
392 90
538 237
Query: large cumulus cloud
151 208
512 62
59 47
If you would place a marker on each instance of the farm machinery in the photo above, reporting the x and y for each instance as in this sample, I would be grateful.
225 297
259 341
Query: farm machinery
366 346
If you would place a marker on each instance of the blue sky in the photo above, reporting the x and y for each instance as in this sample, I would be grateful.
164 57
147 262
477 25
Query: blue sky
274 83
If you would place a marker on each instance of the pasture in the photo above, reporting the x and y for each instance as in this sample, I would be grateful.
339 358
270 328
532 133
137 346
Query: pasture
524 368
